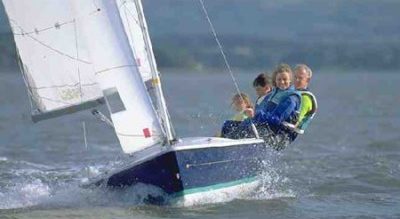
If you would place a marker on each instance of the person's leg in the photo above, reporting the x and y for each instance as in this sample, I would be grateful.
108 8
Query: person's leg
230 129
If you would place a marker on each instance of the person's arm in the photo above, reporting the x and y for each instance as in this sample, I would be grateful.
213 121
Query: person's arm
283 110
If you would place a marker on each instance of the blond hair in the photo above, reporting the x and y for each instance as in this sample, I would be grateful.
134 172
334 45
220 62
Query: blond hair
242 97
281 68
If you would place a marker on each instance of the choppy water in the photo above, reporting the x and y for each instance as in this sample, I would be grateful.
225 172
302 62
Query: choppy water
346 166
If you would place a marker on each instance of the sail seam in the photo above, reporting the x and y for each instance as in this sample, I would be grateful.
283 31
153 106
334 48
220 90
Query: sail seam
57 25
112 68
61 86
36 31
58 51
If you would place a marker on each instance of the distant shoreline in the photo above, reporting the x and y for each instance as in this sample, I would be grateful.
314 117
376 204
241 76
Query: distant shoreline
199 52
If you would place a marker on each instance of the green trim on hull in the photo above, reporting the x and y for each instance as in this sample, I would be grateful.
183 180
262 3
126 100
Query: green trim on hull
215 187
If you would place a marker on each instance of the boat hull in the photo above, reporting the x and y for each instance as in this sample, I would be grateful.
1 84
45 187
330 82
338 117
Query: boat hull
196 166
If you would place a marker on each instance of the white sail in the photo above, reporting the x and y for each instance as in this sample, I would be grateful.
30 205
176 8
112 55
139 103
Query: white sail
56 66
133 116
130 18
131 12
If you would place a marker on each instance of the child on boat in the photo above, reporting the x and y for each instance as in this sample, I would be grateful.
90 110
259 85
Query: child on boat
240 103
263 86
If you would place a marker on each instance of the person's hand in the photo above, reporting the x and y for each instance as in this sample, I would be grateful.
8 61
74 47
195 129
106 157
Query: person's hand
249 112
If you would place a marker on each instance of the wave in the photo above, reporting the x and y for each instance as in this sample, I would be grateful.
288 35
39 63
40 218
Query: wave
40 186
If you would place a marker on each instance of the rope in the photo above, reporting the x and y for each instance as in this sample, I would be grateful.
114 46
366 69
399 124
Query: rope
85 135
225 59
220 46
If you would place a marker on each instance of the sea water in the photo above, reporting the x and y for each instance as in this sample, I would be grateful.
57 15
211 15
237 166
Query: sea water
345 166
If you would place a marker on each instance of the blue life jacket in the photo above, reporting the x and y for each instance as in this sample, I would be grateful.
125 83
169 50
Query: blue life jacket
278 96
310 115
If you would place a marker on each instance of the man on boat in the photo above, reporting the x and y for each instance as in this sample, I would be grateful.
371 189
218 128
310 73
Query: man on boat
308 107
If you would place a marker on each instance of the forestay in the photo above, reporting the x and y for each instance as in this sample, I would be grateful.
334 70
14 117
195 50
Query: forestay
116 70
57 70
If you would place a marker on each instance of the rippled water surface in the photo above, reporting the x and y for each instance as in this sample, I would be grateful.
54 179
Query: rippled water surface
345 166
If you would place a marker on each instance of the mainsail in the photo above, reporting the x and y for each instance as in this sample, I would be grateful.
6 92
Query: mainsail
54 59
76 54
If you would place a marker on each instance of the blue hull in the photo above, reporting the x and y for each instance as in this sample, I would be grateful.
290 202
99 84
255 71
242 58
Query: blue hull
193 168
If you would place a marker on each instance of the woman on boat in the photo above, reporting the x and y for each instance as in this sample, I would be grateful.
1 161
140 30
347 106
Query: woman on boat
282 106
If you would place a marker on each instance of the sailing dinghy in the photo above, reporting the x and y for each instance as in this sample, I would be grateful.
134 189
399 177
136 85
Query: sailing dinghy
75 55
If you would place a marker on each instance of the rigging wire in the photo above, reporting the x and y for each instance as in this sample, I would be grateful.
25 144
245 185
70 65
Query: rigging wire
214 32
219 46
86 145
85 135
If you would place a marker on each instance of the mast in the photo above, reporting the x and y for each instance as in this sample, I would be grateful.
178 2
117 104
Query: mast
155 74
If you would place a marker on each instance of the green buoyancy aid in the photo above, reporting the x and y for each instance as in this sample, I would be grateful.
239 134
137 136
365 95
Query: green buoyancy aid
309 115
